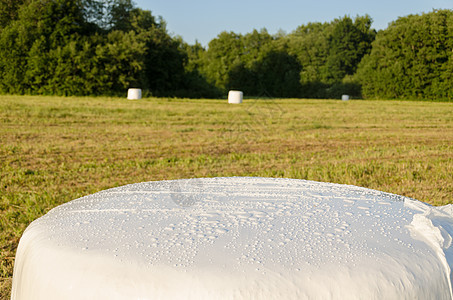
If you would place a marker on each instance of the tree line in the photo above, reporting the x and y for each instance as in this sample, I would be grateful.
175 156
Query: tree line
89 47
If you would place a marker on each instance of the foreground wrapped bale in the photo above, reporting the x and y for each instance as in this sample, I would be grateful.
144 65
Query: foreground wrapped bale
242 238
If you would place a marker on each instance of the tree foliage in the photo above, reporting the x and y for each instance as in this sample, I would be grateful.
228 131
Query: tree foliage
316 60
87 47
9 11
411 59
95 47
329 54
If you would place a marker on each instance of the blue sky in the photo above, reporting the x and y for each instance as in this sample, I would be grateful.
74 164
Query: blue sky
203 20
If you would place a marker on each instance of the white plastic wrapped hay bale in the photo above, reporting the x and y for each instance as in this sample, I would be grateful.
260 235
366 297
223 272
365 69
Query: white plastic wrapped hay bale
134 94
237 238
345 97
235 97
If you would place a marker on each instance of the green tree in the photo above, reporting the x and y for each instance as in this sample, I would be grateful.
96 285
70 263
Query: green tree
26 65
411 59
67 47
348 43
278 75
9 11
222 55
231 57
195 85
309 43
329 54
274 75
118 14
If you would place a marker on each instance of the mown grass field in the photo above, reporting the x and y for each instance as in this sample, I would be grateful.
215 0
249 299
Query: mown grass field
53 150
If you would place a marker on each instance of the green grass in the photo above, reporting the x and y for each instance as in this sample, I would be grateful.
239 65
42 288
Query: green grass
53 150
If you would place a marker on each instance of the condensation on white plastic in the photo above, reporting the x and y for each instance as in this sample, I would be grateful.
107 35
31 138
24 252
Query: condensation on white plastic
237 237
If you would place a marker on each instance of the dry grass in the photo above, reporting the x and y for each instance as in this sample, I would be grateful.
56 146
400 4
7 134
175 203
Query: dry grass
53 150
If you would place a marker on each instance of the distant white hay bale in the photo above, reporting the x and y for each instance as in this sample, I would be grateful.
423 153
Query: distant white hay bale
134 94
345 97
235 97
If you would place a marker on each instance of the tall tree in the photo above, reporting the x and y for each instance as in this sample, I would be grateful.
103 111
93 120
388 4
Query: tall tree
348 43
222 55
330 52
230 53
66 47
411 59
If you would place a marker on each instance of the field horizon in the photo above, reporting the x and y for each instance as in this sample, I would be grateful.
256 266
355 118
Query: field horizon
56 149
